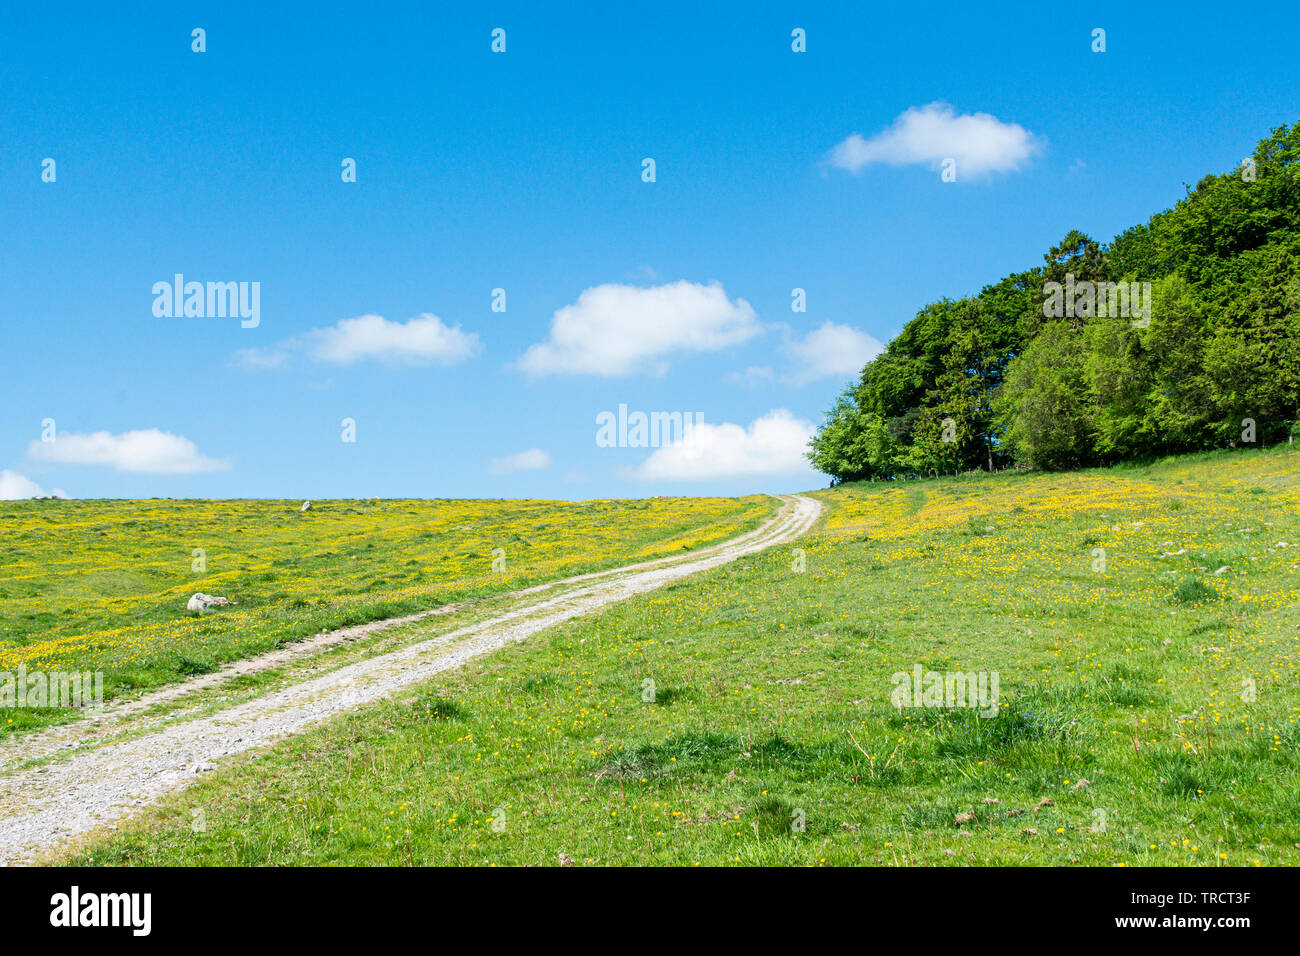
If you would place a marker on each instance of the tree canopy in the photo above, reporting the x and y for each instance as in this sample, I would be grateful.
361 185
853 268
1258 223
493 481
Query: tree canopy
1169 339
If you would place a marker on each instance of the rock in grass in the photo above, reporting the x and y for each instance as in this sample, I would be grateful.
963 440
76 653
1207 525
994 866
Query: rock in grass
201 602
306 506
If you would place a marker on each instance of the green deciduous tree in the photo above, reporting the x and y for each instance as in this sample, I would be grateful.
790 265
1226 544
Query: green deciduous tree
1222 344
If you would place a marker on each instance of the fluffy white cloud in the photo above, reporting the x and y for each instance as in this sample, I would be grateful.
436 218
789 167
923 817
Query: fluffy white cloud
423 339
534 459
772 445
148 451
615 329
14 486
979 142
829 351
832 350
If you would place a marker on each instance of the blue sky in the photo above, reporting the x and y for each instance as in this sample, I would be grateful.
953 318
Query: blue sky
523 171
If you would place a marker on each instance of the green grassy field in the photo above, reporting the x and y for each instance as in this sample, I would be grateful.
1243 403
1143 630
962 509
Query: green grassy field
103 584
1126 732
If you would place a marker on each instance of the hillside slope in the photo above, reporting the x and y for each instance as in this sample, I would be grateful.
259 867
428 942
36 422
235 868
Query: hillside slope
1142 624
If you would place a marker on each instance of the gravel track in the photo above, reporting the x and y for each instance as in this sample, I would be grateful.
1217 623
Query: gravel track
42 806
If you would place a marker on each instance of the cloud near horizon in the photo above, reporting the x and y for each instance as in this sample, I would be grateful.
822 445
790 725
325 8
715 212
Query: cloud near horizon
534 459
147 451
14 487
615 329
424 339
927 135
772 445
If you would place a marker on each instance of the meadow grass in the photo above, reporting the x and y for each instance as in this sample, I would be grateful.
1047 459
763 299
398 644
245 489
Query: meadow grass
1148 715
103 584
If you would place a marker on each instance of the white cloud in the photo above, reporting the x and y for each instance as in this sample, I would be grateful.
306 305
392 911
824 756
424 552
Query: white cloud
832 351
774 444
979 142
147 451
421 340
753 376
256 360
14 486
829 351
615 329
532 460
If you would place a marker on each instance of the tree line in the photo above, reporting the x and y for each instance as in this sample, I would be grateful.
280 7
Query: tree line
1182 334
